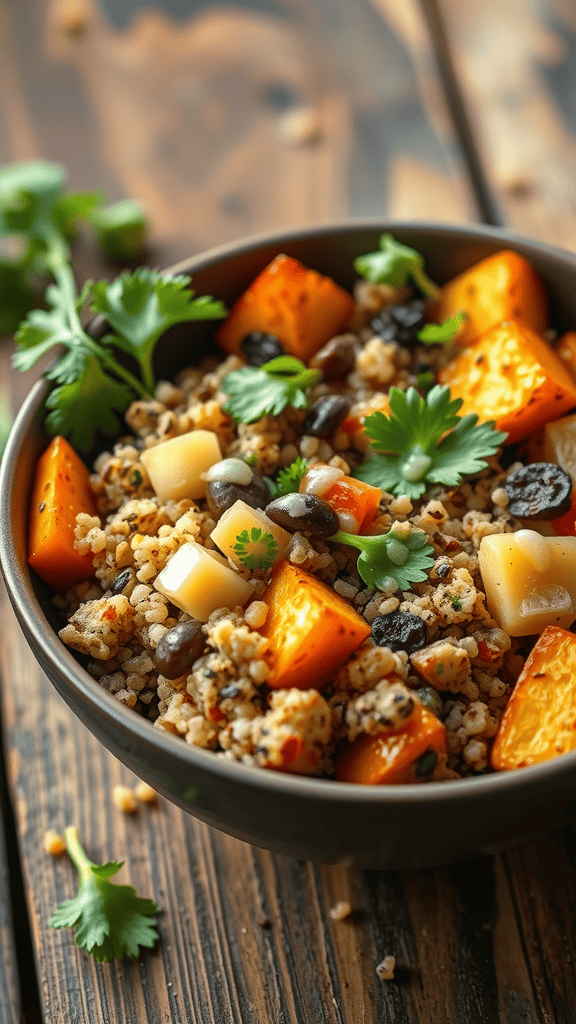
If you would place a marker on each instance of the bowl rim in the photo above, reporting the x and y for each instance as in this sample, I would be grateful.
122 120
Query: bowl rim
97 700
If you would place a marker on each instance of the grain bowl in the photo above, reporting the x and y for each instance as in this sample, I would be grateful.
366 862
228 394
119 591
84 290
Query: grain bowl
309 817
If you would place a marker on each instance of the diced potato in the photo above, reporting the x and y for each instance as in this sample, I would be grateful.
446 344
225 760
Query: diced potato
530 580
539 722
175 467
199 581
311 629
512 376
242 517
390 757
560 444
303 308
501 287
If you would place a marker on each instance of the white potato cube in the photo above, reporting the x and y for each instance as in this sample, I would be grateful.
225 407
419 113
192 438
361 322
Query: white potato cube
239 517
560 444
530 580
175 467
198 581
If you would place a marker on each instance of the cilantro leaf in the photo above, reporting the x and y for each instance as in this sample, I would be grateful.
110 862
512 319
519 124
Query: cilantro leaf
121 229
86 403
254 392
288 479
423 440
434 334
141 306
256 549
110 920
393 560
394 264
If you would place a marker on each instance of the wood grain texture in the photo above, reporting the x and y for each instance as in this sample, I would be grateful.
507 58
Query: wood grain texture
10 1008
515 62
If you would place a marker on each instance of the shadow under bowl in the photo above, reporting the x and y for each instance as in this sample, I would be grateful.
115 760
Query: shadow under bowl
313 819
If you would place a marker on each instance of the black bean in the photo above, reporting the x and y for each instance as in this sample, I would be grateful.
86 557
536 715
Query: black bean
122 580
326 415
304 512
179 648
431 700
400 631
541 490
400 323
258 348
220 495
425 764
337 357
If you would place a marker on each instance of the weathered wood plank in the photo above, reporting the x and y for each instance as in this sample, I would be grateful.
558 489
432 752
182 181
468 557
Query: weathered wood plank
10 1007
514 61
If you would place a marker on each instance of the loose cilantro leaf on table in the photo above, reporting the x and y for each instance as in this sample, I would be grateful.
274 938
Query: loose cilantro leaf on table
434 334
256 548
423 441
109 920
254 392
395 264
288 479
391 561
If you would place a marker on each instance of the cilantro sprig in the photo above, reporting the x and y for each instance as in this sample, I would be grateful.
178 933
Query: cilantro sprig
254 392
288 479
35 210
395 264
256 548
109 920
423 441
391 561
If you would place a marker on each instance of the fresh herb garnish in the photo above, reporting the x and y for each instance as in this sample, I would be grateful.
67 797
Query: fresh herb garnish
254 392
121 229
394 264
109 920
92 386
256 549
288 479
434 334
37 215
393 560
423 441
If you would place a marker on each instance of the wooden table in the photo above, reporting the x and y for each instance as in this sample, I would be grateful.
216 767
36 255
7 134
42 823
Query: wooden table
228 122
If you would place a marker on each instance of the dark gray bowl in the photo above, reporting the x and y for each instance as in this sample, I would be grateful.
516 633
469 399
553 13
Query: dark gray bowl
313 819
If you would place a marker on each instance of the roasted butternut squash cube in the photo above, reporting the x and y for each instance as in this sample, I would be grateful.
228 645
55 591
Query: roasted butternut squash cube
61 490
303 308
354 502
391 757
310 628
530 580
501 287
512 376
539 722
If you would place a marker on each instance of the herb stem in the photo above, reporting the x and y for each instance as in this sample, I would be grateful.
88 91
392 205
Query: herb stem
424 283
76 852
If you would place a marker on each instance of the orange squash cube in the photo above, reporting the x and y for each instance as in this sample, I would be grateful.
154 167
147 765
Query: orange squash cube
350 497
501 287
389 757
539 722
61 490
311 629
512 376
303 308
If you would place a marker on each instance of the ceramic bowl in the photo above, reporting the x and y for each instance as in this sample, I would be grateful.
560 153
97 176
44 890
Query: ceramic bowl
312 819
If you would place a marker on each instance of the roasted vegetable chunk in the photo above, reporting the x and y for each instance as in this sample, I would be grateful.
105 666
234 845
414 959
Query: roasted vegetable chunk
512 376
540 718
61 490
407 754
303 308
501 287
311 629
